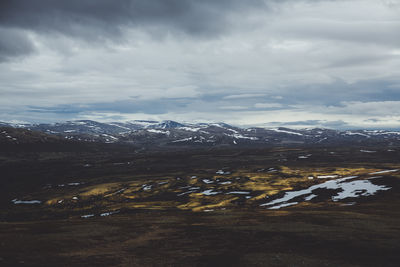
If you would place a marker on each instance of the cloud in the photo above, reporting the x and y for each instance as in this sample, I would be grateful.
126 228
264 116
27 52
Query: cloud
339 124
234 107
14 43
357 108
106 18
244 62
372 120
355 21
103 22
372 108
267 105
307 122
240 96
188 91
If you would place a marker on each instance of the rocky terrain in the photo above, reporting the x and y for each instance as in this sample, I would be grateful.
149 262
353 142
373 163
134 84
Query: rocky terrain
96 203
153 134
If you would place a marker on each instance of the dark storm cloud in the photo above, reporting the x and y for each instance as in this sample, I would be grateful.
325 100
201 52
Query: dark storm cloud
13 43
100 20
106 16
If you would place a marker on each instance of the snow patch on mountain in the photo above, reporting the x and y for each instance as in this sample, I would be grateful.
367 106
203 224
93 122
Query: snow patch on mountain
158 131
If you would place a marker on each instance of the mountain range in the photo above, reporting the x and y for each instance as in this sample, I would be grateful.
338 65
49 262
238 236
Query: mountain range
144 133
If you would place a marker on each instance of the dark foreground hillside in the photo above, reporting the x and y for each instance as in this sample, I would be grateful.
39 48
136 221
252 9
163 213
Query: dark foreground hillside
302 206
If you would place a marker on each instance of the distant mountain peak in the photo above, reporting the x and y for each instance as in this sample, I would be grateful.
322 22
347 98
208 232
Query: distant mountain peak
169 132
167 124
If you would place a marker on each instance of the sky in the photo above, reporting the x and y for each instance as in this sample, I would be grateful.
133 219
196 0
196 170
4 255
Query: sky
304 63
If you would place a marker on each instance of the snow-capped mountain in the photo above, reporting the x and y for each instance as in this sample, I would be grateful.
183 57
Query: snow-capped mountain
172 133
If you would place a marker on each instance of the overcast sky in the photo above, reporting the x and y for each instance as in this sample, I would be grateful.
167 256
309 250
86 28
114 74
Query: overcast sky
307 63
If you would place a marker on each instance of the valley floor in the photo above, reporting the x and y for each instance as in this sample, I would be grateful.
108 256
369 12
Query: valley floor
217 207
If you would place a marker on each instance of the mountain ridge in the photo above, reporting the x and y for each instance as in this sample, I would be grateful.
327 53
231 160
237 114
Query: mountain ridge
173 133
